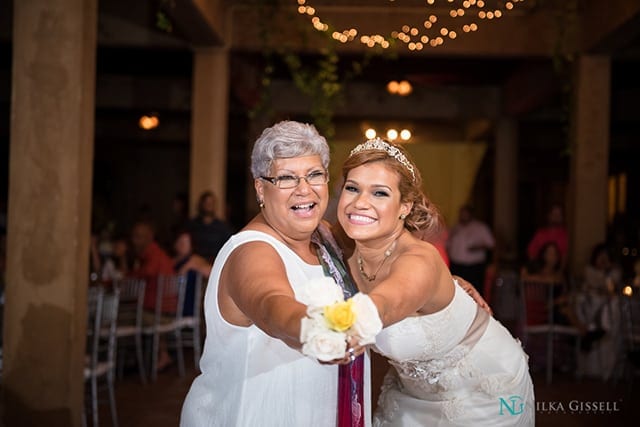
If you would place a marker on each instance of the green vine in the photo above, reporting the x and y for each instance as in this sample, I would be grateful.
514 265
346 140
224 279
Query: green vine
163 20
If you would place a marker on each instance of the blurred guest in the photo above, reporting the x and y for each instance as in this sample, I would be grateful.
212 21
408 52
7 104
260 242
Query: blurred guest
150 261
601 275
547 268
191 264
109 260
468 245
208 232
598 308
554 231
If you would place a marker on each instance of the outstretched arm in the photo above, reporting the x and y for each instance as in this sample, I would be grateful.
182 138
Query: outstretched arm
255 290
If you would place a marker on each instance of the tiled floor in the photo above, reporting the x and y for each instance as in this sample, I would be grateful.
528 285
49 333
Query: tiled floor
567 402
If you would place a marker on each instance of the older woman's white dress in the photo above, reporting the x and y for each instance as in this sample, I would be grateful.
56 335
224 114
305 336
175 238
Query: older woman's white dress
456 367
251 379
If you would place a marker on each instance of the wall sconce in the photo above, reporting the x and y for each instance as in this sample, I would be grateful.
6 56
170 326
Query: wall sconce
402 88
149 122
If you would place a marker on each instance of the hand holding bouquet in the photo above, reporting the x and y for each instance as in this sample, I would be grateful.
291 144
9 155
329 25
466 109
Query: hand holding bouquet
331 320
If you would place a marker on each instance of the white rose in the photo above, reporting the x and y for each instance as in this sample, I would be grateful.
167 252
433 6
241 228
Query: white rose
368 323
325 345
320 292
312 325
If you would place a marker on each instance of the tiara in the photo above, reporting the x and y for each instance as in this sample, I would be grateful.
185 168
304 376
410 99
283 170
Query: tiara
382 145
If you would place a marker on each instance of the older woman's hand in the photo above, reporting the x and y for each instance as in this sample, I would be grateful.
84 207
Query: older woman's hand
353 350
473 293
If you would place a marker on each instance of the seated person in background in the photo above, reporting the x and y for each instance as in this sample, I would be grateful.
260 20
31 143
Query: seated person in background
191 264
554 231
150 261
547 268
601 277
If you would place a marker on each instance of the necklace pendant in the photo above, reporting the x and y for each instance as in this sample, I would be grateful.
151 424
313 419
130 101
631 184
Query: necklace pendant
387 254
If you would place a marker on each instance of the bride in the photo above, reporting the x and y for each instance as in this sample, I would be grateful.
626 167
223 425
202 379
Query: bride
453 364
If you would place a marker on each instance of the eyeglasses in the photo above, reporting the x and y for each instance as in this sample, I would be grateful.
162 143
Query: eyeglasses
291 181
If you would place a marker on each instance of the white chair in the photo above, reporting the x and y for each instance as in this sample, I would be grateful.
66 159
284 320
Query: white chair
129 330
102 313
167 318
538 301
191 324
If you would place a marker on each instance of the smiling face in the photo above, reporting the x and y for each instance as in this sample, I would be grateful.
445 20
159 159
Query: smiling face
370 204
294 212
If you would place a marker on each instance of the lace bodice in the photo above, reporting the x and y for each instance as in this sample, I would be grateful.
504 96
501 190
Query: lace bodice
457 363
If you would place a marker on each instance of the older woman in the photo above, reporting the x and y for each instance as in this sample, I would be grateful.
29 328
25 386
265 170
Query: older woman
253 373
453 363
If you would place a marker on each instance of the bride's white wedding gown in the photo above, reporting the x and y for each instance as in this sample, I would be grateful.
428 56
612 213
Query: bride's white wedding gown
454 367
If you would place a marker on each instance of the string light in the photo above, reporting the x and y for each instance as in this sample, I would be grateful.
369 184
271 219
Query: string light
370 133
430 32
390 134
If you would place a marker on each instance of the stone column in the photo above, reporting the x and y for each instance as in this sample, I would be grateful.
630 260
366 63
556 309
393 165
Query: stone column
50 174
505 209
209 121
587 218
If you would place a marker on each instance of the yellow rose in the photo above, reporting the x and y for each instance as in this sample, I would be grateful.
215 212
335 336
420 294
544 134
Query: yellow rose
340 316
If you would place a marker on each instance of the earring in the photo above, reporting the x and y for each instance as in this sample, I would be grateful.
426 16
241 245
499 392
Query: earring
261 204
403 216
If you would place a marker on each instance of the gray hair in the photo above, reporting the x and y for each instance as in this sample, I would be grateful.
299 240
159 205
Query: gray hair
285 140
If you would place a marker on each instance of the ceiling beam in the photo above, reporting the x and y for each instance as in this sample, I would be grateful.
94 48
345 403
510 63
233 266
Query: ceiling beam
201 22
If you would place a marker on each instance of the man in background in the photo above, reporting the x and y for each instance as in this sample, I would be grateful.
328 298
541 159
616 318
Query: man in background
468 246
208 232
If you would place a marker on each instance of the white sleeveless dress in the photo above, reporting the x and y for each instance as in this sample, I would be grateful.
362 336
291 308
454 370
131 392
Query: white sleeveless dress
445 375
251 379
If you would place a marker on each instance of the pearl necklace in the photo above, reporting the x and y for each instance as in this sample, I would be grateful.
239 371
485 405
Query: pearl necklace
387 254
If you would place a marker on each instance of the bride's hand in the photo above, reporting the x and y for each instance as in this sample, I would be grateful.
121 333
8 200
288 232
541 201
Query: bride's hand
473 293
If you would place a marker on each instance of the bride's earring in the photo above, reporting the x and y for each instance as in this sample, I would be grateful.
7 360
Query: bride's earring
403 216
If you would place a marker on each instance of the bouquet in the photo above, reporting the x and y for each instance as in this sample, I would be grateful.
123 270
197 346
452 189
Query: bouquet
331 320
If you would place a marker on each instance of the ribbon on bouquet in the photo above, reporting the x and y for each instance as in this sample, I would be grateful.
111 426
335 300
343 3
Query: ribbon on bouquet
351 376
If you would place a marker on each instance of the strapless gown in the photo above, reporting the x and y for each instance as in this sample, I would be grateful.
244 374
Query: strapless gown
456 367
